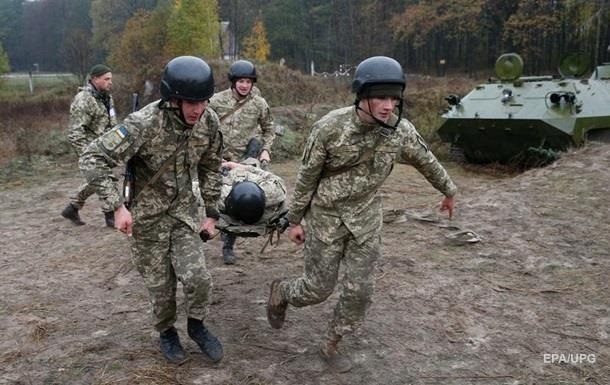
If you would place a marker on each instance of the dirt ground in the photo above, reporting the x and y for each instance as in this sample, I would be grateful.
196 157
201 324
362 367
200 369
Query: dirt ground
510 309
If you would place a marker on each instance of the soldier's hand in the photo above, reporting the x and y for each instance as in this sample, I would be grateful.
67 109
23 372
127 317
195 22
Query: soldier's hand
296 233
229 165
264 157
447 204
209 225
123 220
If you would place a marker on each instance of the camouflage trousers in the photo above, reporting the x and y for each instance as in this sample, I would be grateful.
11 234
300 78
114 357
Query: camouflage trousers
85 191
165 251
320 276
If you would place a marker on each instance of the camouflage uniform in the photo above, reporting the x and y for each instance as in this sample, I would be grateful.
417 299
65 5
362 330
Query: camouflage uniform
91 115
336 193
275 195
252 119
165 243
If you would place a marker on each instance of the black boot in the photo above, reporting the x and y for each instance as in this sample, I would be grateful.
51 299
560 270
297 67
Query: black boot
109 217
71 213
170 346
208 343
228 255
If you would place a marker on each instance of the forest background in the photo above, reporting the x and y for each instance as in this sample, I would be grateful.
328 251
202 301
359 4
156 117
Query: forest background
457 41
426 36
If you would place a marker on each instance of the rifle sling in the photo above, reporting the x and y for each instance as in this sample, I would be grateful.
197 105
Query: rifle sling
233 110
165 164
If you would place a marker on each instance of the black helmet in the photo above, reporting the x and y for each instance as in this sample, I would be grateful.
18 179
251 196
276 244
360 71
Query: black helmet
378 76
242 69
187 78
246 202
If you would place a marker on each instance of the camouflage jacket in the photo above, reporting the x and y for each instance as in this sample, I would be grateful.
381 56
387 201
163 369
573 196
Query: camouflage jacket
242 120
150 136
337 184
275 196
91 114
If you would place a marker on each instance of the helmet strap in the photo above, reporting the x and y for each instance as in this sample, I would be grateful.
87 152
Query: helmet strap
380 122
167 105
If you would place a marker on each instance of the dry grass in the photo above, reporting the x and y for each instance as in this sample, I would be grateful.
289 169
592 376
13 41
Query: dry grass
40 332
35 126
149 375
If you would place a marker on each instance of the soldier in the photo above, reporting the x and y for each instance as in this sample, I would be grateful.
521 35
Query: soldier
244 115
91 114
171 142
348 155
251 200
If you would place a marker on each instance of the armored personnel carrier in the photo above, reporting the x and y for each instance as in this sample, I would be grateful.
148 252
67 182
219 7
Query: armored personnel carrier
529 119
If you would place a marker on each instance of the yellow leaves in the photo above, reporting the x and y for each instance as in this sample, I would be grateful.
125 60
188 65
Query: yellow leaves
256 46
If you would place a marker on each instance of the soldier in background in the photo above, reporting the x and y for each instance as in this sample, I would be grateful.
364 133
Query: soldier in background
251 200
348 155
244 115
170 143
91 115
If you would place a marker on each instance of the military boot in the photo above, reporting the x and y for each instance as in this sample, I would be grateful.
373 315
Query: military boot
337 361
228 255
71 213
170 346
109 218
208 343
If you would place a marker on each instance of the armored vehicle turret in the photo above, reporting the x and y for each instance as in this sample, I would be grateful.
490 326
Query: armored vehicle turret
529 119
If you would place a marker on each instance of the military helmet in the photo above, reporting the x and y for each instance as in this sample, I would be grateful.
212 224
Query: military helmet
246 202
242 69
187 78
378 76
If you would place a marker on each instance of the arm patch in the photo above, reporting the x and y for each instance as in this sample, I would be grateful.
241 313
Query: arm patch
113 139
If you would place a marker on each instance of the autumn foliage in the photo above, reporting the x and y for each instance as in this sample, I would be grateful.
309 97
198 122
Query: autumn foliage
256 45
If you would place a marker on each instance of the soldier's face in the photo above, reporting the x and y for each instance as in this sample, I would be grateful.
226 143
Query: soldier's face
102 82
380 107
192 110
243 86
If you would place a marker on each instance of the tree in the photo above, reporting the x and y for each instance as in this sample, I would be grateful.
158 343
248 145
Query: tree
256 45
289 32
139 48
441 30
530 31
4 62
76 52
193 29
108 19
11 31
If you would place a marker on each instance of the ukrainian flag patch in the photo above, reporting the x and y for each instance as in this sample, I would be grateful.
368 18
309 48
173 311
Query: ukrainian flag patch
123 133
